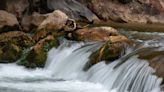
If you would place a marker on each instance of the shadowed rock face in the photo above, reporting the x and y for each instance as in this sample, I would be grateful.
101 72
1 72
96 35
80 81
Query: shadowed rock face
16 7
3 4
125 1
72 8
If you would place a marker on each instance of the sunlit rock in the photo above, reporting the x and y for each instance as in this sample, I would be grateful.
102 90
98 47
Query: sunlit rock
54 21
95 33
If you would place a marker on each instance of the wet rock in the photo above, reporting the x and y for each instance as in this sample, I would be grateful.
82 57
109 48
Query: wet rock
113 49
95 34
38 53
12 44
73 9
7 21
54 21
155 58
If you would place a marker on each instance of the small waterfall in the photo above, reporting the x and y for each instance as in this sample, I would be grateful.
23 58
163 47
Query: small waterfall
68 63
64 72
134 75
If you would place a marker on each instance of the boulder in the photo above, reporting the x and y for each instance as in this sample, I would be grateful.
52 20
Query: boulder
7 21
54 21
113 48
12 45
95 34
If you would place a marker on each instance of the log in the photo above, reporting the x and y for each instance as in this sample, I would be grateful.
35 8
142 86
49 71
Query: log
132 26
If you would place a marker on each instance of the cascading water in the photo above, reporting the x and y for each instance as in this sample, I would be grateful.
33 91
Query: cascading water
133 76
64 73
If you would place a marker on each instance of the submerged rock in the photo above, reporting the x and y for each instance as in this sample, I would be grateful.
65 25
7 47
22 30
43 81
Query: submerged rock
12 44
7 21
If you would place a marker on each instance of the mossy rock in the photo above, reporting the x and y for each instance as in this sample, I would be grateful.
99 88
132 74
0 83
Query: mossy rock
12 44
34 59
37 56
108 52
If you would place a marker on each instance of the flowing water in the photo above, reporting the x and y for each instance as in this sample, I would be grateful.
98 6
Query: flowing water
64 72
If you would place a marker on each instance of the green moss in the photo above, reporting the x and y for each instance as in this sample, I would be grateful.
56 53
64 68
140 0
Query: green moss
108 52
34 59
